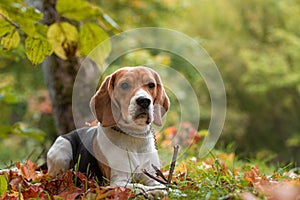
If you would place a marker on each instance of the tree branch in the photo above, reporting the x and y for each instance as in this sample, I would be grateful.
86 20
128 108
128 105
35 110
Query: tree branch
173 163
158 173
153 177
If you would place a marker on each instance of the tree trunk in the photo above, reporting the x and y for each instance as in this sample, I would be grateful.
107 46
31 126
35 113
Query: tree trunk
59 75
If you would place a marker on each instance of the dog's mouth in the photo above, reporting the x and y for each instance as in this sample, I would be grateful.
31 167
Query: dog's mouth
142 118
142 115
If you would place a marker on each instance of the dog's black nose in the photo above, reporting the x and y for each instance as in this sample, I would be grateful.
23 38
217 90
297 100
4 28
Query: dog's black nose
143 102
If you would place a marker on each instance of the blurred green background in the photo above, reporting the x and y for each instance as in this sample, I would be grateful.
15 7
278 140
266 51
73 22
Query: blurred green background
255 44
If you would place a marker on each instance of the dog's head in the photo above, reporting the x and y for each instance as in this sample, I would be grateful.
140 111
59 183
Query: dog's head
130 97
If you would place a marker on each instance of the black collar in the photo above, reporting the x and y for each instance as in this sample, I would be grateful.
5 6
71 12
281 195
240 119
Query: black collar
116 128
150 131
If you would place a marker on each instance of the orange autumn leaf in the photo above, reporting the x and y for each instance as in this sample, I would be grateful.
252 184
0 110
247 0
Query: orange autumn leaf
281 190
28 170
34 192
71 193
112 192
253 176
272 189
15 182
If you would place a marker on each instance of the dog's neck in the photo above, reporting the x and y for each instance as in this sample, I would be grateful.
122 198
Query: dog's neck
147 131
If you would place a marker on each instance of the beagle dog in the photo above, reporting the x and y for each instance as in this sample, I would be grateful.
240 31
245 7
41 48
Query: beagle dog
123 142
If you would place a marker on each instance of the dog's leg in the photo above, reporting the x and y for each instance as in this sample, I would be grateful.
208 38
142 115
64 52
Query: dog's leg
59 156
152 191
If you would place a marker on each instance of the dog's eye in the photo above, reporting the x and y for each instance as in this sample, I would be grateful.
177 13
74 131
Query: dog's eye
151 85
125 86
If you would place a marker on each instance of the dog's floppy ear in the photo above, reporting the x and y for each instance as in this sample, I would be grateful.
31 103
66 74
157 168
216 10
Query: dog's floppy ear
161 102
100 103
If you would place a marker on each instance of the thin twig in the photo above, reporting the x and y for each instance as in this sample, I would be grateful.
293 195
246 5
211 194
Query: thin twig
159 173
173 163
153 177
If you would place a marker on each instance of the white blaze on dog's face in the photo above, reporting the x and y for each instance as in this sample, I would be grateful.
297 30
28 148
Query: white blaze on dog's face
141 110
131 98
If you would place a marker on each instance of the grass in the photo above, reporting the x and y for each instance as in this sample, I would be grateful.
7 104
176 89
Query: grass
223 176
218 176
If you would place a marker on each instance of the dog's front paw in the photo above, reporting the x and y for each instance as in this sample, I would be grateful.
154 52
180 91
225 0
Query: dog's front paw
157 193
151 192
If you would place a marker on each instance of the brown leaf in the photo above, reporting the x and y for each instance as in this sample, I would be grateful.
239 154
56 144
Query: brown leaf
11 197
58 185
13 174
253 176
272 189
90 182
71 193
14 183
34 192
28 170
110 192
122 193
280 190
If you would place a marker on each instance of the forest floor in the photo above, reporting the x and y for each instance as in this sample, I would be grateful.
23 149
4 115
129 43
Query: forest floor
218 176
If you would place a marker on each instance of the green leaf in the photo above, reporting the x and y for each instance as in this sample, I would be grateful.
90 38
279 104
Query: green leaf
5 27
3 185
64 39
27 20
37 49
21 16
41 31
91 35
10 40
77 9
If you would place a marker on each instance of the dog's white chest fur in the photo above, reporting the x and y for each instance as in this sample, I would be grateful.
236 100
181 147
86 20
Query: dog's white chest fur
127 153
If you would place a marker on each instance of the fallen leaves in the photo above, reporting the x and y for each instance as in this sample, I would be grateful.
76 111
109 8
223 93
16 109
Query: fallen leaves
25 182
218 176
222 176
109 192
273 189
28 170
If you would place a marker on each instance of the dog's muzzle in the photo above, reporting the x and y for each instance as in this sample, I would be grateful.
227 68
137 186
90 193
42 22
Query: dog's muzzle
143 111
